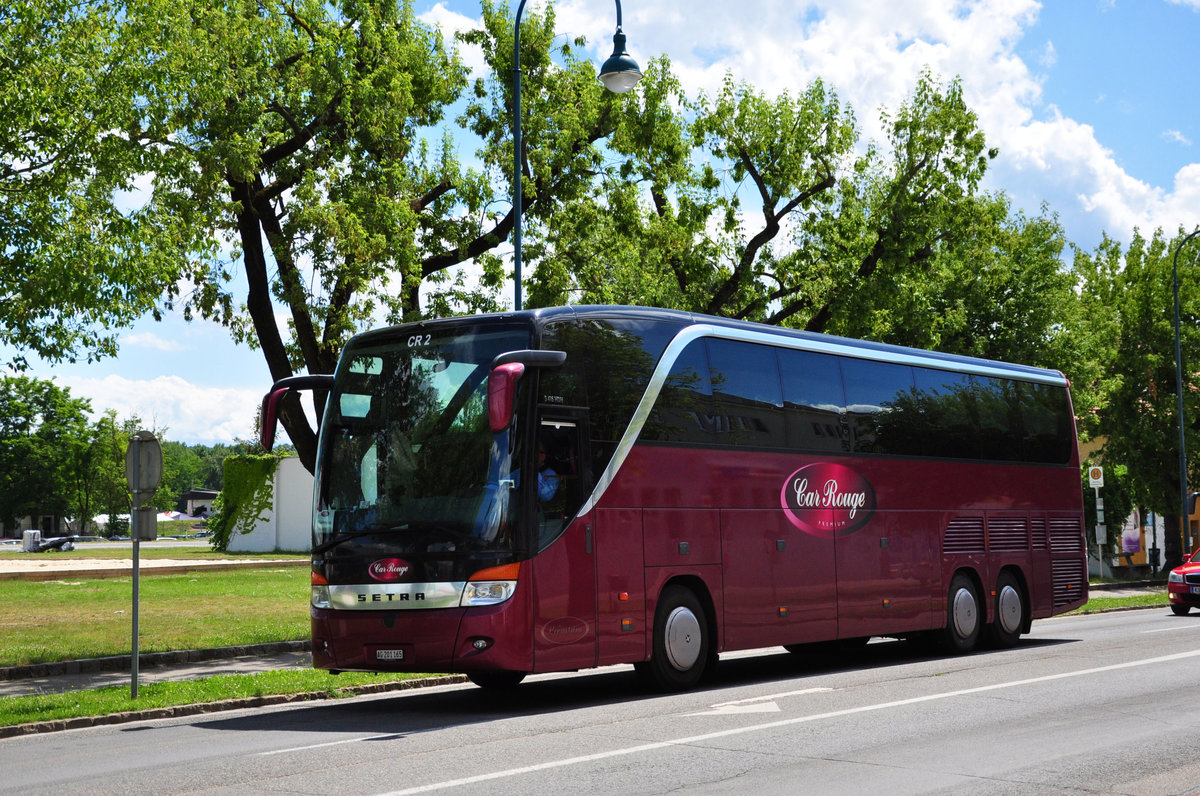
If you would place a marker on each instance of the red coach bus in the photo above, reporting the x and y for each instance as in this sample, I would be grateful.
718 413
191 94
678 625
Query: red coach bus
692 485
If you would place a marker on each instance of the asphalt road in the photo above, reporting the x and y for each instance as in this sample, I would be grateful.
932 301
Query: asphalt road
1096 704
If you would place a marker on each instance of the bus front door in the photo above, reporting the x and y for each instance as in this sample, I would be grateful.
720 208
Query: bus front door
565 570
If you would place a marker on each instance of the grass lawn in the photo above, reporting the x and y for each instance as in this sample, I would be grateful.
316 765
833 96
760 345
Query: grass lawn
79 617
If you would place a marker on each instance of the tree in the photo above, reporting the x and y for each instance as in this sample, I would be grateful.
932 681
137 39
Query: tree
42 429
183 141
1128 293
758 208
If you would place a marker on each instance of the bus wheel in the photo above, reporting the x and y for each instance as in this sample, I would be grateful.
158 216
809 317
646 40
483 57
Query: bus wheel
681 643
962 616
1179 610
497 680
1005 630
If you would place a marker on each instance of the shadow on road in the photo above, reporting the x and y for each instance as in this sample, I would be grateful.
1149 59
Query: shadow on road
395 715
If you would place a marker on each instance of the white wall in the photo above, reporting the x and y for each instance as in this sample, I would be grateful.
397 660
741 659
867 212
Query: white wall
287 527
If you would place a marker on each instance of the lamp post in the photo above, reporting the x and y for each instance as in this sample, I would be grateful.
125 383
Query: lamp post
1184 519
618 74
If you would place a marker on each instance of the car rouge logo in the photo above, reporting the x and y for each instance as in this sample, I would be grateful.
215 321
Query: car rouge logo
827 499
389 569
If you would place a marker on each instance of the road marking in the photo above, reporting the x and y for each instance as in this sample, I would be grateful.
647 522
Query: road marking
692 739
1192 626
759 704
772 697
727 710
323 745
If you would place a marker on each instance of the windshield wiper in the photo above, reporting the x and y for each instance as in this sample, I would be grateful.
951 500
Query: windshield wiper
338 538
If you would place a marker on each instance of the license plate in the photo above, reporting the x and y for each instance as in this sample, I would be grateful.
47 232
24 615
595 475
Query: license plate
1196 590
389 655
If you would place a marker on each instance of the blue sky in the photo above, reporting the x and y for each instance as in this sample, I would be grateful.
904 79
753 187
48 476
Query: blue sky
1092 104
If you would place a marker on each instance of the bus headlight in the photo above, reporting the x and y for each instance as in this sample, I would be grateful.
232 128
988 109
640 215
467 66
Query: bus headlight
320 589
491 586
1175 577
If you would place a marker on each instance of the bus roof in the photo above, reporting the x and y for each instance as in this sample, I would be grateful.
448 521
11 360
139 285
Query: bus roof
749 330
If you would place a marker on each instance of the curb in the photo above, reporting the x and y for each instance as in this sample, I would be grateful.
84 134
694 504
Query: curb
1126 584
118 663
57 725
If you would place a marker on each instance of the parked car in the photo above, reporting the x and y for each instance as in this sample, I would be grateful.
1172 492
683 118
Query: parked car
1183 585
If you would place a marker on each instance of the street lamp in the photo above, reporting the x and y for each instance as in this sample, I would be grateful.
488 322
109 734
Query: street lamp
1184 518
618 74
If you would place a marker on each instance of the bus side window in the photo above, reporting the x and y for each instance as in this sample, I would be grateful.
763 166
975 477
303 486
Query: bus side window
881 400
684 411
746 393
814 401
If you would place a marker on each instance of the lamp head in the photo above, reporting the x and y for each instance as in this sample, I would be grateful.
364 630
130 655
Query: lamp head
620 72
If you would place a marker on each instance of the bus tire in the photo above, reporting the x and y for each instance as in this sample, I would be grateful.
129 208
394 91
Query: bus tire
963 617
496 680
1180 610
1011 612
682 647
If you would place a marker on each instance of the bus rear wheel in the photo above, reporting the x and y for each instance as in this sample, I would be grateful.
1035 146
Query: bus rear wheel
1010 610
681 641
499 680
962 617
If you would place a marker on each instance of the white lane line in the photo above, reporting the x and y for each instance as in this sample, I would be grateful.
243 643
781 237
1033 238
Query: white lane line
1193 626
631 750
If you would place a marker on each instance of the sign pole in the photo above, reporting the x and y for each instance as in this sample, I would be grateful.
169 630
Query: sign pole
1096 481
143 472
133 533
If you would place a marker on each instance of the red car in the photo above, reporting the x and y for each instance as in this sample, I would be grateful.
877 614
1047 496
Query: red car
1183 585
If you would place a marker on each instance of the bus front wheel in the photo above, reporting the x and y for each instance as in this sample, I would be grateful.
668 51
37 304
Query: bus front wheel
962 616
681 642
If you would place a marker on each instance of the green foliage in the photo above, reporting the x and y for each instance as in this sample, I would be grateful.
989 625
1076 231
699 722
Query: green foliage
757 207
1129 385
42 434
247 493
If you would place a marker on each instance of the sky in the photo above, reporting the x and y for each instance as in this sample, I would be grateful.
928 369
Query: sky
1091 103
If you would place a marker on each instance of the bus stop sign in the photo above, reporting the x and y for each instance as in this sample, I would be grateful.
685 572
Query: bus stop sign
143 464
1095 477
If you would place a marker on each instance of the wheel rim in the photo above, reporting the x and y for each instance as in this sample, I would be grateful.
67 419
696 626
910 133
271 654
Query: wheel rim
966 613
682 638
1009 609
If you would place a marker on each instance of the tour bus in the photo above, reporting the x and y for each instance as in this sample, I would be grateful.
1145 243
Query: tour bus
572 487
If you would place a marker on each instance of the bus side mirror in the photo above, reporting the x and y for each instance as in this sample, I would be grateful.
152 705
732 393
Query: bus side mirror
270 403
502 391
269 416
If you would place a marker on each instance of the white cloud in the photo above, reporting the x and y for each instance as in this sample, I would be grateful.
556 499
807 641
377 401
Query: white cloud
188 412
452 22
150 340
1175 136
1049 56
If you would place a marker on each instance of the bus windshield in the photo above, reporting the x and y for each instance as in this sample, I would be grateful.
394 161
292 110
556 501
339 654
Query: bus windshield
407 450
